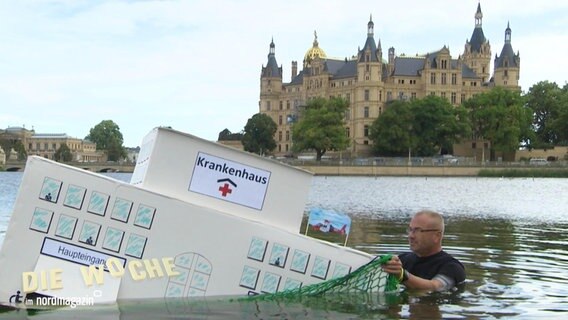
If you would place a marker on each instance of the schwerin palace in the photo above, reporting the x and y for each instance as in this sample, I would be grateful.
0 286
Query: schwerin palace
368 82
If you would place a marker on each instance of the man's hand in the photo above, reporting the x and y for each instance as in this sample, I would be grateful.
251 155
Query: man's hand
393 266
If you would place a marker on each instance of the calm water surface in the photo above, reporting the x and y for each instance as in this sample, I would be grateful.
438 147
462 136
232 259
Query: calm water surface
509 233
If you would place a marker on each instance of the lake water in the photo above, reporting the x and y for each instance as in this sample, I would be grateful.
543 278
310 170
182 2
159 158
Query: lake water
511 235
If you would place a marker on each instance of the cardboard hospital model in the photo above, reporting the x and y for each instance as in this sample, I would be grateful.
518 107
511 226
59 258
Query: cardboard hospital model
199 219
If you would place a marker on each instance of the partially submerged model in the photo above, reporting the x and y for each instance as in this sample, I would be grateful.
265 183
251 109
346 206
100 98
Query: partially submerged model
199 219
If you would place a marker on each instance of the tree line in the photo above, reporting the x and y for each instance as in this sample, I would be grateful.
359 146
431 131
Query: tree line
507 119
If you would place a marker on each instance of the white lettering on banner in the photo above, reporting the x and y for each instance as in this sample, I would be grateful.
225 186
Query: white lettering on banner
230 181
73 253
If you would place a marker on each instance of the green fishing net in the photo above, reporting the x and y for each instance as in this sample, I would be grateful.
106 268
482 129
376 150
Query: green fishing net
369 278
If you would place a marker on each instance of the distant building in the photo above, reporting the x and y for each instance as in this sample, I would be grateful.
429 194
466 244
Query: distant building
46 144
132 154
369 82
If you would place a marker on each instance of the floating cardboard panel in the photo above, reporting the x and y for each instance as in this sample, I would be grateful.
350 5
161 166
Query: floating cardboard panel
142 233
223 178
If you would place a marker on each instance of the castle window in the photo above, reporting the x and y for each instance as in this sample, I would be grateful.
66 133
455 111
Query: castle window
347 132
413 95
287 104
348 97
366 131
433 78
444 64
281 105
366 95
279 135
454 78
280 120
366 112
506 73
287 135
454 96
443 78
443 95
462 97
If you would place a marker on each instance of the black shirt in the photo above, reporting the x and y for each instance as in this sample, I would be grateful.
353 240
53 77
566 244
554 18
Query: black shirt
428 267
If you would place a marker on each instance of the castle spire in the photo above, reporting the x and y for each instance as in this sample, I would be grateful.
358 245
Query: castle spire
478 16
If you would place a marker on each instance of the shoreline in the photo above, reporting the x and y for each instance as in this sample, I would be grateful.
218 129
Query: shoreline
433 171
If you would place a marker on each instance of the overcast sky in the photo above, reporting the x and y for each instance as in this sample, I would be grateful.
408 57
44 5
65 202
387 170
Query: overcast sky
195 65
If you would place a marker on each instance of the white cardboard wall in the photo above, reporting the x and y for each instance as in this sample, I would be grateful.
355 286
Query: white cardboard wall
67 218
222 178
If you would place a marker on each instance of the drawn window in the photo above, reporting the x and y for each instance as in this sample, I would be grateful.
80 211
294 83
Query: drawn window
50 190
121 210
144 216
135 246
90 233
321 267
98 203
278 255
257 249
74 197
113 239
300 261
66 227
249 277
41 220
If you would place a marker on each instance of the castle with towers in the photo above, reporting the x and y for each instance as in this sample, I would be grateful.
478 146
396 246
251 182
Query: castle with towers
369 82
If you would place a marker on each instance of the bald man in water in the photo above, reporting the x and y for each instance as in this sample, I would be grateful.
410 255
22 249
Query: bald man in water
427 267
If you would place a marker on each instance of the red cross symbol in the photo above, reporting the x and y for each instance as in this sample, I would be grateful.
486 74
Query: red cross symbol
225 189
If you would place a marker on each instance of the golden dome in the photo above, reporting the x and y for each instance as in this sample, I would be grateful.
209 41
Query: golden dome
314 51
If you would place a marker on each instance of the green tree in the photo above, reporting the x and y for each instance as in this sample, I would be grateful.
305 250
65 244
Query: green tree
437 125
423 127
259 134
320 127
499 115
108 138
392 132
63 154
20 150
560 124
545 101
7 142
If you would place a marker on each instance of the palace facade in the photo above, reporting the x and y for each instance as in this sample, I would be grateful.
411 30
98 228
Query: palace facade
46 144
369 81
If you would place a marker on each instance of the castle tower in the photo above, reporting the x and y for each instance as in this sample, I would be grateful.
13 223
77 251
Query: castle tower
507 64
477 51
270 83
369 59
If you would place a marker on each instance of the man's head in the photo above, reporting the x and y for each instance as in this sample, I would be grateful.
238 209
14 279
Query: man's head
425 233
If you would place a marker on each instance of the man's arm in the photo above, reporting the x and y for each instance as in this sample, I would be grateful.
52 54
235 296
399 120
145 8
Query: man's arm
439 282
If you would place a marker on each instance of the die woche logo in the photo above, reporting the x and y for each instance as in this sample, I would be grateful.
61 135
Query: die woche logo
137 269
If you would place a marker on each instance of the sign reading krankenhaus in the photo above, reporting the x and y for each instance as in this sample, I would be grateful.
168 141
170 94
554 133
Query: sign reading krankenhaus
230 181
